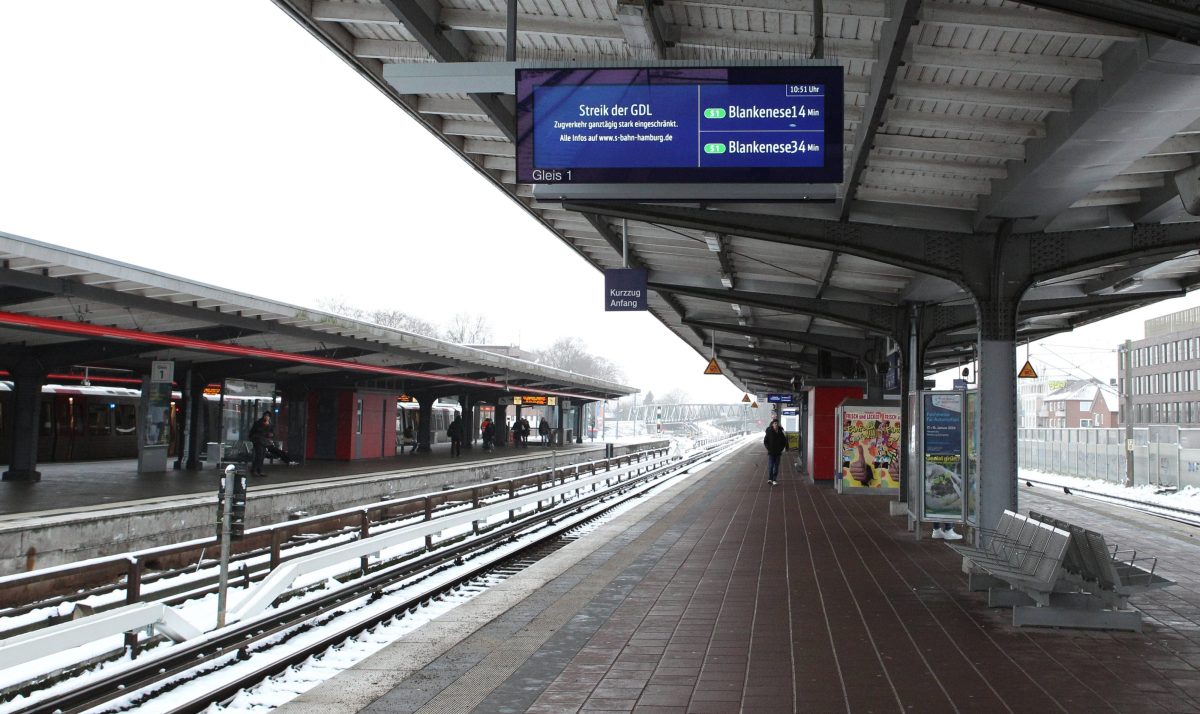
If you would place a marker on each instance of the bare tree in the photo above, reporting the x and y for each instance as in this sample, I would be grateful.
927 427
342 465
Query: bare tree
570 353
395 319
468 329
675 396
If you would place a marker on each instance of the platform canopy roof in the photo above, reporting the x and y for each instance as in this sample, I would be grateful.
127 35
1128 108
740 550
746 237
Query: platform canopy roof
1059 125
65 309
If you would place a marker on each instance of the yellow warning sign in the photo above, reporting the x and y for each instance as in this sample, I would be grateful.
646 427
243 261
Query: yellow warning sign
754 405
1027 372
712 367
745 397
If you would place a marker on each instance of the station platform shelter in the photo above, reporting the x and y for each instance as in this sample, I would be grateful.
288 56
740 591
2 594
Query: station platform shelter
76 486
101 359
725 594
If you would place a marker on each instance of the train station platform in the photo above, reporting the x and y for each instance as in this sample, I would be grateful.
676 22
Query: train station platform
101 509
724 594
86 484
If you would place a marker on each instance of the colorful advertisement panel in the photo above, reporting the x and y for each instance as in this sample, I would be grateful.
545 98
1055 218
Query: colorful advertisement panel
942 451
870 443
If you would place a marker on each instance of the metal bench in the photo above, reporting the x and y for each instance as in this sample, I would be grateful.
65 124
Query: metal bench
1055 574
1106 572
1022 552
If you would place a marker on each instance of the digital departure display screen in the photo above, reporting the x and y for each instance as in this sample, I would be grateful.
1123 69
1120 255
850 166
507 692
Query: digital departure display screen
680 125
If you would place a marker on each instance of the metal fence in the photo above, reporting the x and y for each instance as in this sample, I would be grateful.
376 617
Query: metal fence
1163 455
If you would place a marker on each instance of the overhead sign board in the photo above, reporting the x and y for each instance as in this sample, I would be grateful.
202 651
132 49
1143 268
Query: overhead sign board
532 400
625 289
714 368
680 125
780 398
162 371
1027 372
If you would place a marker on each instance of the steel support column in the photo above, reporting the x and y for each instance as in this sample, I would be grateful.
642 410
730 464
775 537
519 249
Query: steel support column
502 432
998 408
469 424
297 423
913 355
998 278
193 408
28 377
424 423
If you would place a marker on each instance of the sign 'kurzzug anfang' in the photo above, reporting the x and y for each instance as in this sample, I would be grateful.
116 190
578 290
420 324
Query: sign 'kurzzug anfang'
624 289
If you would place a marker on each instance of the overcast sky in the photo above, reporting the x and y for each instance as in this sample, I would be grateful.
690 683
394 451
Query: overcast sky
220 142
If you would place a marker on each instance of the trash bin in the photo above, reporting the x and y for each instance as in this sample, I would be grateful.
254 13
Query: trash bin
212 451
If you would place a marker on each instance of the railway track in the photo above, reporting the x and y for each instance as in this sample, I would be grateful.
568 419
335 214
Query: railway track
1179 515
309 620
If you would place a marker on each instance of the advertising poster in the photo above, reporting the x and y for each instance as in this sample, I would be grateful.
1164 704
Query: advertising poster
156 422
870 443
942 442
971 419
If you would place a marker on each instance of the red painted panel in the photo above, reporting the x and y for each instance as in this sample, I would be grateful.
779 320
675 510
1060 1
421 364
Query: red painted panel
372 426
822 428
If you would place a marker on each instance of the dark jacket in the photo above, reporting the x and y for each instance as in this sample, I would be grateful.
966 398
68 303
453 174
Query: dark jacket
775 440
260 433
454 431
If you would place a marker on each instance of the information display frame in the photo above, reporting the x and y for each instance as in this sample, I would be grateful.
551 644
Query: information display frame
947 444
616 91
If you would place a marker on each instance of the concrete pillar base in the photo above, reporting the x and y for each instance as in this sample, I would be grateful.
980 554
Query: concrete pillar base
22 475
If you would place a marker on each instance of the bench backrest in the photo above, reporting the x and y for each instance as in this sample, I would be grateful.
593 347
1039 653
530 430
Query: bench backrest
1088 556
1035 551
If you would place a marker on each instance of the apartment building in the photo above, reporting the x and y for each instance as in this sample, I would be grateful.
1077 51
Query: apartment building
1165 370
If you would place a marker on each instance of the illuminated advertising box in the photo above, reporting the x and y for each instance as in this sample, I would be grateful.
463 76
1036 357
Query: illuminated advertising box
680 125
869 438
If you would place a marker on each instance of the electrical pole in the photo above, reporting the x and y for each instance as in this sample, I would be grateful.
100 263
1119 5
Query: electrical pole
1128 414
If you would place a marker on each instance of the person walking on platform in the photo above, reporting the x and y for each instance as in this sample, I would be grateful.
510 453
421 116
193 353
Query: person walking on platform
408 440
524 432
544 431
776 442
260 438
488 432
455 432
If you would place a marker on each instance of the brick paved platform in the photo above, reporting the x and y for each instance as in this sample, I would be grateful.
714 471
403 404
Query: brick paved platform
727 595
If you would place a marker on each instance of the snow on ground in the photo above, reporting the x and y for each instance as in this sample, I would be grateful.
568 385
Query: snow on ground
296 680
1187 498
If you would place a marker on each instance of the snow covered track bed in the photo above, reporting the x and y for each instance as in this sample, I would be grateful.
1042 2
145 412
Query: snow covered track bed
314 602
1182 506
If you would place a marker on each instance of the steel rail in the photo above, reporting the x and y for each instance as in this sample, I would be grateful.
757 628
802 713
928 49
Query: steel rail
186 658
328 526
1179 515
